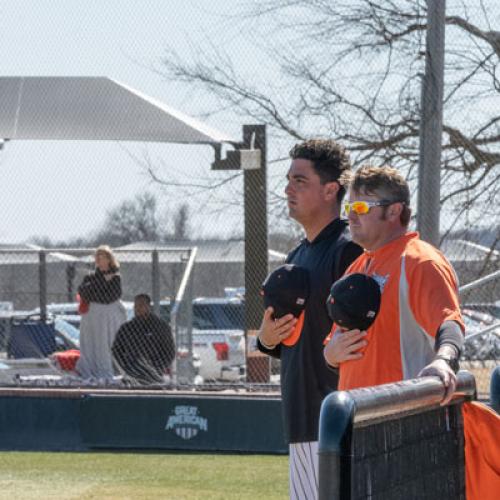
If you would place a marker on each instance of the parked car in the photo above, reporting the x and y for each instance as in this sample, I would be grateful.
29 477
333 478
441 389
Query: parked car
69 308
27 344
217 334
67 332
218 337
69 311
482 335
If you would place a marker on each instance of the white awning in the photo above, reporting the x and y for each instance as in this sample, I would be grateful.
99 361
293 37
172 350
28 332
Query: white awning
92 108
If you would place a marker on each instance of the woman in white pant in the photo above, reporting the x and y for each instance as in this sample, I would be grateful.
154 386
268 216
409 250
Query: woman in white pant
101 290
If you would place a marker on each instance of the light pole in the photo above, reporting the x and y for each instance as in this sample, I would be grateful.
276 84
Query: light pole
250 156
431 125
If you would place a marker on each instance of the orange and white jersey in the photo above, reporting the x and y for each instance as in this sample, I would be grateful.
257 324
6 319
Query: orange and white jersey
419 292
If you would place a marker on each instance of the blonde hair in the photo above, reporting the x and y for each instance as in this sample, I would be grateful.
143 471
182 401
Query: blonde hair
106 250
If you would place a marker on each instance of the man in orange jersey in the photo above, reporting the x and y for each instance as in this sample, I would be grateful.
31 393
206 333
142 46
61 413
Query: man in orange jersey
419 329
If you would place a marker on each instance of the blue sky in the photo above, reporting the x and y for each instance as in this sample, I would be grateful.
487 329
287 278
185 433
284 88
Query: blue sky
63 189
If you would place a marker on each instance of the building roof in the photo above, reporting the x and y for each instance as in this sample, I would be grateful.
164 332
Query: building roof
175 251
231 250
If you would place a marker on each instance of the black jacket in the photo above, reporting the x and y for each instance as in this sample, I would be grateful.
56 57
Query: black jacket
144 348
305 378
96 288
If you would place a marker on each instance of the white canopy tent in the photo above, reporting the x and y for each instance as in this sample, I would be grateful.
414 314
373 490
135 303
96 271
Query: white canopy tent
93 108
101 109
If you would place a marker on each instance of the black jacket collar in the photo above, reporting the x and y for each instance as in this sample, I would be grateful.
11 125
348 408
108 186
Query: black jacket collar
336 226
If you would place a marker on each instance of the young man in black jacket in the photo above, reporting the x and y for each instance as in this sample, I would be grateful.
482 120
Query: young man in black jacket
314 197
144 346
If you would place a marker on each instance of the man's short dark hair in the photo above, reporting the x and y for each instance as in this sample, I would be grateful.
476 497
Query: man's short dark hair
329 160
143 297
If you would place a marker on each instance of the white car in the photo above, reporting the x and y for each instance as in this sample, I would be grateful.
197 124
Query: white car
218 337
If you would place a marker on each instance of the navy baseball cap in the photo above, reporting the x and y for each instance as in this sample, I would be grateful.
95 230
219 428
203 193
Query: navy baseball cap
354 301
286 290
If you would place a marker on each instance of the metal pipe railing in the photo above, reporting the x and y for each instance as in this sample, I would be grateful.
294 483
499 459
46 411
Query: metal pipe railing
180 299
342 410
489 329
479 282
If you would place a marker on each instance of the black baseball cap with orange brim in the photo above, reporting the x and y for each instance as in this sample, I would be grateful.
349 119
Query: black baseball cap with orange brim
287 290
354 301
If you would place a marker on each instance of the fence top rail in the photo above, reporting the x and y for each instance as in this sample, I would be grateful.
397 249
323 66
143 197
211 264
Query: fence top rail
479 282
85 251
408 396
492 329
76 393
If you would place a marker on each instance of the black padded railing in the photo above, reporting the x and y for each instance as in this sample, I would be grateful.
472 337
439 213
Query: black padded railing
495 389
394 441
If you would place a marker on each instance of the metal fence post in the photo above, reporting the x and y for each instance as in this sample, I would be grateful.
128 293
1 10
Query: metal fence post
42 280
189 314
431 125
70 277
155 280
181 319
256 248
256 255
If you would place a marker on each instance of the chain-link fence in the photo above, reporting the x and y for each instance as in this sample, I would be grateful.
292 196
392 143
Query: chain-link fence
347 70
41 325
481 313
356 71
45 333
45 330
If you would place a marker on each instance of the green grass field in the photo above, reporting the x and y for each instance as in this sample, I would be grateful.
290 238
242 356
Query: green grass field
27 475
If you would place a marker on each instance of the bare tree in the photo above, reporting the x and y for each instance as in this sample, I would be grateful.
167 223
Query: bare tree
131 221
139 219
135 220
181 223
352 70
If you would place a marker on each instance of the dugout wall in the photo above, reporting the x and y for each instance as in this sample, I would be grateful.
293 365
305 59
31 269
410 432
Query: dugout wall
394 441
76 420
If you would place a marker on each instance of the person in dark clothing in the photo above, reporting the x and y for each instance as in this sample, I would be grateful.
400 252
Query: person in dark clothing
101 291
144 346
102 287
314 196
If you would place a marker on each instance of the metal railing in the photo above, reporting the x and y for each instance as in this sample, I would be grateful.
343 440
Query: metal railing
181 321
344 413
